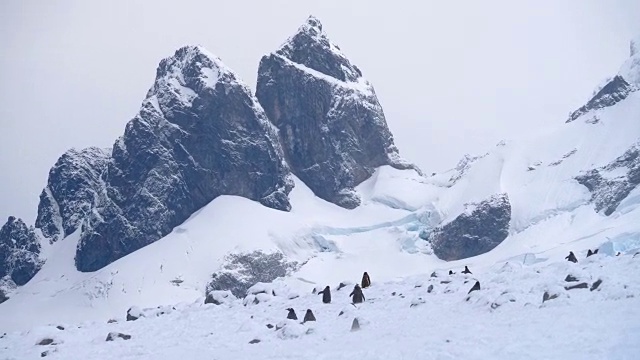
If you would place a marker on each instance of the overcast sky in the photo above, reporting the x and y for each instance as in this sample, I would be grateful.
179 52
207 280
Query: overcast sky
453 77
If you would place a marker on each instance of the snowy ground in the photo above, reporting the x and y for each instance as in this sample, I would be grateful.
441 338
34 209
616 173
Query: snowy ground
399 320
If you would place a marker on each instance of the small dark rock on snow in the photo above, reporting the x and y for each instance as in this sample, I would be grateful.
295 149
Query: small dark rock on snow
475 287
577 286
45 341
596 284
355 325
547 296
254 341
115 335
570 278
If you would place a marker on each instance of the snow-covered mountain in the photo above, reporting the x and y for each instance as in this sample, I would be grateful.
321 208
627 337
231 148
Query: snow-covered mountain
205 187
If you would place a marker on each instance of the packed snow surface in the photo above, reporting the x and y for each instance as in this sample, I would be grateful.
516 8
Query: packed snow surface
417 317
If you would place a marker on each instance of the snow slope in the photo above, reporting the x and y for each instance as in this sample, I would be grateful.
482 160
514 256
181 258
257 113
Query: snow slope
419 317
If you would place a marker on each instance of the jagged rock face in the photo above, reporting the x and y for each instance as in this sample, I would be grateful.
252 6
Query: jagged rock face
616 90
332 127
74 188
608 186
479 229
199 134
19 251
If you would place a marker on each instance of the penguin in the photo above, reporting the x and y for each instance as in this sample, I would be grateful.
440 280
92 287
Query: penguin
308 316
357 294
451 272
292 314
466 270
326 295
475 287
366 281
571 257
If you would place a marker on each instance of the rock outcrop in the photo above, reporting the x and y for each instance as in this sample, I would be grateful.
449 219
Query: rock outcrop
199 134
19 251
612 183
616 90
479 229
332 127
75 187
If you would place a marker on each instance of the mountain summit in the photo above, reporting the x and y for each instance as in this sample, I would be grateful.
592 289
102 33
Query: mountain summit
332 127
199 134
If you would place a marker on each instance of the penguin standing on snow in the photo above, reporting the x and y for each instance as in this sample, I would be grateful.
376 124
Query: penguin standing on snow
571 257
357 294
466 270
292 314
366 281
309 316
326 295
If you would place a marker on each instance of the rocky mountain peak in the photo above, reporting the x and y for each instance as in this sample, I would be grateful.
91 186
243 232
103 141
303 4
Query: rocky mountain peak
311 47
19 251
200 134
332 127
75 186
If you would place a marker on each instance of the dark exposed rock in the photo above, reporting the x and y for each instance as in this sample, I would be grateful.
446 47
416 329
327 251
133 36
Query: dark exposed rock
199 134
466 270
616 90
608 192
19 251
434 274
475 287
269 326
116 335
44 353
60 327
292 314
111 321
547 296
582 285
596 285
210 299
332 127
479 229
430 289
570 278
254 341
355 325
3 296
242 271
340 286
75 187
46 341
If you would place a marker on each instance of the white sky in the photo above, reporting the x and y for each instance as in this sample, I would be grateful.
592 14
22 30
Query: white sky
453 77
